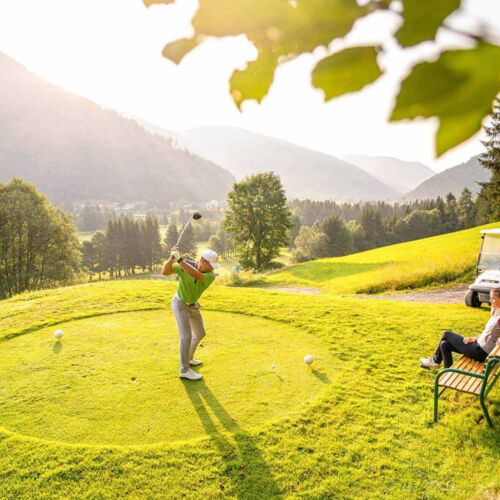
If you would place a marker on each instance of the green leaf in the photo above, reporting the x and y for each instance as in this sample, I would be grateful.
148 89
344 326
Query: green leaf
458 88
254 81
280 29
175 51
346 71
422 19
148 3
278 24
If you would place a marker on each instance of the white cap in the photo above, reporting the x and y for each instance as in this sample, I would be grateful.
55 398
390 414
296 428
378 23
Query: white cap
212 257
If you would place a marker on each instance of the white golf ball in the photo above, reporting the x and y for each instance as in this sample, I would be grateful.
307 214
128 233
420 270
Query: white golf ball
58 334
308 359
273 366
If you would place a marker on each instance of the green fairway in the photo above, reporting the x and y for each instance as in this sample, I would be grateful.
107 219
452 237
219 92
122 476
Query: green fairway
414 264
126 366
356 424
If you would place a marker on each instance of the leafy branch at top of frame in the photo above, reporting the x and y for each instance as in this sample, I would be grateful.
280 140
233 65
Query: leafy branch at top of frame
458 88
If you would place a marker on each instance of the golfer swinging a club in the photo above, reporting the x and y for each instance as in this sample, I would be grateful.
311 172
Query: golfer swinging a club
194 279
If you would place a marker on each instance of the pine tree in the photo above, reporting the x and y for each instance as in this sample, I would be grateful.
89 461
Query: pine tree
371 221
482 207
88 260
187 245
156 243
99 244
294 230
112 248
451 213
466 209
338 236
490 159
171 238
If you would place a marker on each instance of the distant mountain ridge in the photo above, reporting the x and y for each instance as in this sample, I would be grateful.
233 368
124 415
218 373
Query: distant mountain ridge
304 173
73 150
452 180
403 176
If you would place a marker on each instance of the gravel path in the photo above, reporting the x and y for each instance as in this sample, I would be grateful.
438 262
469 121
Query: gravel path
294 289
448 296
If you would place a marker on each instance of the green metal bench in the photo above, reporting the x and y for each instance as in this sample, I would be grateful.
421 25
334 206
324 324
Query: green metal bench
471 377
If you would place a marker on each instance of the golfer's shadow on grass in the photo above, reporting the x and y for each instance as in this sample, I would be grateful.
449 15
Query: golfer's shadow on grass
244 464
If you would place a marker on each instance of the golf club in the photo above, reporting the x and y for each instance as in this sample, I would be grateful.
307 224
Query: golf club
195 216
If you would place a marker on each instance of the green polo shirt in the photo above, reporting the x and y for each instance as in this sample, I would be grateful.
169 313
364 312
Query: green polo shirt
190 289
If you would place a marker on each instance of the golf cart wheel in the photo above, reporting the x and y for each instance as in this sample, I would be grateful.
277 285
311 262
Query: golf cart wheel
472 299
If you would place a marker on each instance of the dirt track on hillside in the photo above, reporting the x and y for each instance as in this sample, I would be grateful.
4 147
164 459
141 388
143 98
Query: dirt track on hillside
448 296
294 289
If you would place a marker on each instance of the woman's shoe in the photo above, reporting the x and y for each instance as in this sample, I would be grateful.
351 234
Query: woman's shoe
428 363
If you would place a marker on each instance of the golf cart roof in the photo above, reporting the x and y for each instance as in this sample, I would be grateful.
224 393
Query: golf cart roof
495 231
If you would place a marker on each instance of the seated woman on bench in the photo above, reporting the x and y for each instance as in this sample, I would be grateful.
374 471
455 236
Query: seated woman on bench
476 348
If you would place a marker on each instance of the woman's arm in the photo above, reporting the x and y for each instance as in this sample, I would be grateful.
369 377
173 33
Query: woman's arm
192 271
167 268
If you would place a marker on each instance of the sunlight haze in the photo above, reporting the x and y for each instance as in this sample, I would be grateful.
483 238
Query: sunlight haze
110 52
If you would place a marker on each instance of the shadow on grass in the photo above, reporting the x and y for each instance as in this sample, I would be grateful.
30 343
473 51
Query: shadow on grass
245 466
57 347
322 376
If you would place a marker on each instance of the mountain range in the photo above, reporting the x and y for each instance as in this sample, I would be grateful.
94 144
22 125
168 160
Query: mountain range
74 150
452 180
403 176
304 173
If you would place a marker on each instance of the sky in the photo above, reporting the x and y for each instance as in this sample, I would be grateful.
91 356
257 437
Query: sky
109 51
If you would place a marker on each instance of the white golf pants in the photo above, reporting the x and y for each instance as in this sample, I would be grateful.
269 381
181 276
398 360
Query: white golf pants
191 329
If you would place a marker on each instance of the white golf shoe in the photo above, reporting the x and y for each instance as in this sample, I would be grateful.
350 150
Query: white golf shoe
428 363
195 362
190 375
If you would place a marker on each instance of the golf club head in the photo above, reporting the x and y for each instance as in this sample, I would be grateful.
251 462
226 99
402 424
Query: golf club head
196 216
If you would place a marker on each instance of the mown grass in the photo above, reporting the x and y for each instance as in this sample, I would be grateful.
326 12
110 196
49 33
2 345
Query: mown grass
119 363
367 433
415 264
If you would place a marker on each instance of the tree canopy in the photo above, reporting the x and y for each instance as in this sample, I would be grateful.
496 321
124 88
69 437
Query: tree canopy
38 242
258 220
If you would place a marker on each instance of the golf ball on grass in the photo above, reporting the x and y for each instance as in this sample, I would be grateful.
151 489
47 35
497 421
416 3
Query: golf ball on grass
308 359
58 334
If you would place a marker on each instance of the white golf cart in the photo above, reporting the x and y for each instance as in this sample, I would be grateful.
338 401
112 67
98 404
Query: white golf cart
487 269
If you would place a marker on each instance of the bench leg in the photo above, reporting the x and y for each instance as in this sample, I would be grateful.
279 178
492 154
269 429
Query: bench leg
436 398
485 410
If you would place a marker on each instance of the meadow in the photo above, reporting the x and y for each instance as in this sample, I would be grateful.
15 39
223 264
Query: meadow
103 414
415 264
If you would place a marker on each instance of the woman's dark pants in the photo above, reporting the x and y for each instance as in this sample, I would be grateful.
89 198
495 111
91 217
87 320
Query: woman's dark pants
452 342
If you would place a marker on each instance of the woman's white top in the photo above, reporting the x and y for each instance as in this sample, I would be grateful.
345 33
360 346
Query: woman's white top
491 332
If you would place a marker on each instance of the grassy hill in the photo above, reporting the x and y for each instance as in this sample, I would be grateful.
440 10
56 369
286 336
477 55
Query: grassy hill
413 264
104 415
